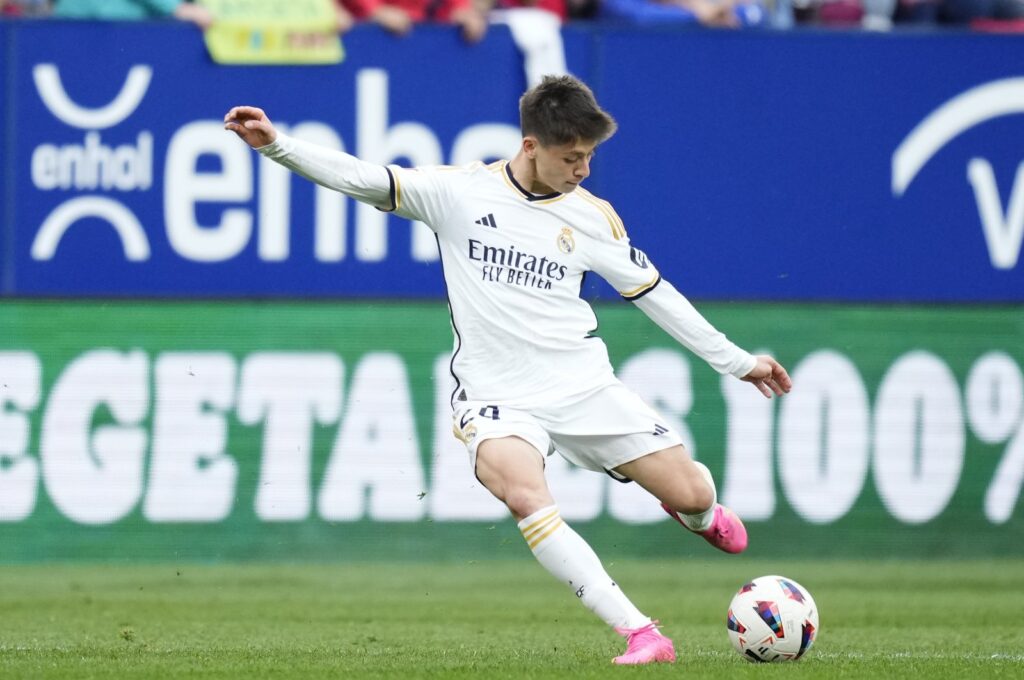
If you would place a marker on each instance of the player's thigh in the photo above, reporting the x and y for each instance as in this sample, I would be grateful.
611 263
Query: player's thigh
671 476
513 470
506 449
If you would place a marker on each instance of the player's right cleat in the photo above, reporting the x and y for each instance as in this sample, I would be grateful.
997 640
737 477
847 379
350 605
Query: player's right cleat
645 645
726 532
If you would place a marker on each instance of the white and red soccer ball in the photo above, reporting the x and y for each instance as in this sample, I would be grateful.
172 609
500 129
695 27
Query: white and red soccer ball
772 618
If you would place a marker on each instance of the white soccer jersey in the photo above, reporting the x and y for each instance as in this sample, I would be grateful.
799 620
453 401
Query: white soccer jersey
514 264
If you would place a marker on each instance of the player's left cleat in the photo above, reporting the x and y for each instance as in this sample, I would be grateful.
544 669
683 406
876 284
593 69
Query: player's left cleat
645 645
726 532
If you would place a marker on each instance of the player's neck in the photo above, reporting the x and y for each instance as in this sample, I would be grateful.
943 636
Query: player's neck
524 171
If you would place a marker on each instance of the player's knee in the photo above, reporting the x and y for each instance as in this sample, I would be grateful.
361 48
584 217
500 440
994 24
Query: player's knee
704 497
523 502
694 498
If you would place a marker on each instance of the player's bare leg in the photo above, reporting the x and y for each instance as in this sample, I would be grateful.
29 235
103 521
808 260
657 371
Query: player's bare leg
687 493
513 470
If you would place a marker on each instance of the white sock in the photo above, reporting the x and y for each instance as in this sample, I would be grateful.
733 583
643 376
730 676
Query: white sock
702 520
568 558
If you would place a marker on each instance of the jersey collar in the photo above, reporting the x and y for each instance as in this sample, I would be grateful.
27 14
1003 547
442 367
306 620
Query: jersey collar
528 195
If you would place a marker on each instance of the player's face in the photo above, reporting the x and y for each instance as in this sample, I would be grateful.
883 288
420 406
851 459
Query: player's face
561 167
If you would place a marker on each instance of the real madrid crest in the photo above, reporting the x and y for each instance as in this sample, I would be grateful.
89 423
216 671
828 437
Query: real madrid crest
566 243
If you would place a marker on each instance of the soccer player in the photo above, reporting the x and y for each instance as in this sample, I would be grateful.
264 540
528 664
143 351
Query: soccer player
516 239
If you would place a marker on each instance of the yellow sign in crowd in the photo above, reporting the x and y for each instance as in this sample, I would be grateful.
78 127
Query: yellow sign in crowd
273 32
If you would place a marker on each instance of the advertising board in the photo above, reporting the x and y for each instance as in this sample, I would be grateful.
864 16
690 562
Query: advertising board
230 430
804 166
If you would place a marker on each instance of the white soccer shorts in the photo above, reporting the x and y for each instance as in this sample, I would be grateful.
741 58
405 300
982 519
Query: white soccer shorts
600 431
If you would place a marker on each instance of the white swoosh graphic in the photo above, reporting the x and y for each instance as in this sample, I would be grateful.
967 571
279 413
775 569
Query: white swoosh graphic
133 237
962 112
51 91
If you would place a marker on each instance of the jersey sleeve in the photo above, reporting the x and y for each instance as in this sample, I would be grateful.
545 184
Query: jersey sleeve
424 193
612 256
417 193
337 170
631 272
667 307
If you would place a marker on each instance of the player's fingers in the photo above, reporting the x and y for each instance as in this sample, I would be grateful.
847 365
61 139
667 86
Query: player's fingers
234 113
250 111
235 126
763 387
245 113
257 125
781 377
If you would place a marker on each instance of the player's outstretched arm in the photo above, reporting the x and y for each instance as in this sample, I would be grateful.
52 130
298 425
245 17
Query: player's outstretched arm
331 168
251 124
769 376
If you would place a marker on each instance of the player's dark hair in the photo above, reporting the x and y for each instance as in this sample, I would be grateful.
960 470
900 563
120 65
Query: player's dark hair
562 110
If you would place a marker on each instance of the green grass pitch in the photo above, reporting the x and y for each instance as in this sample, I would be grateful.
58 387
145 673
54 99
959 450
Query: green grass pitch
492 619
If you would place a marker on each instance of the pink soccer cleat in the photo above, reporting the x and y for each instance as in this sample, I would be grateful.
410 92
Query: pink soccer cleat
645 645
726 532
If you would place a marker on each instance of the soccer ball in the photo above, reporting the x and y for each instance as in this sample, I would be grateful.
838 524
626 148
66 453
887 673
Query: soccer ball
772 618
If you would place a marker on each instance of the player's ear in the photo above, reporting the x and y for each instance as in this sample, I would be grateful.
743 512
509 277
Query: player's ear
530 145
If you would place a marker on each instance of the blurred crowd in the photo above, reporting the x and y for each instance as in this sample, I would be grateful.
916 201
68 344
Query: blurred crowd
534 21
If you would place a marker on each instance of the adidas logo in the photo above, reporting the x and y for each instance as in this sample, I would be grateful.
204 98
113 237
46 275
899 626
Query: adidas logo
487 221
658 429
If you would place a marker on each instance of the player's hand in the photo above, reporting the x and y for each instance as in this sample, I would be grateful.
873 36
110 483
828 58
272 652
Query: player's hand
251 124
769 376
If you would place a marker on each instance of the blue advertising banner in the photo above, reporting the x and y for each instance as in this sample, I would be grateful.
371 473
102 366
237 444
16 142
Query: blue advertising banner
8 168
816 166
796 166
132 187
